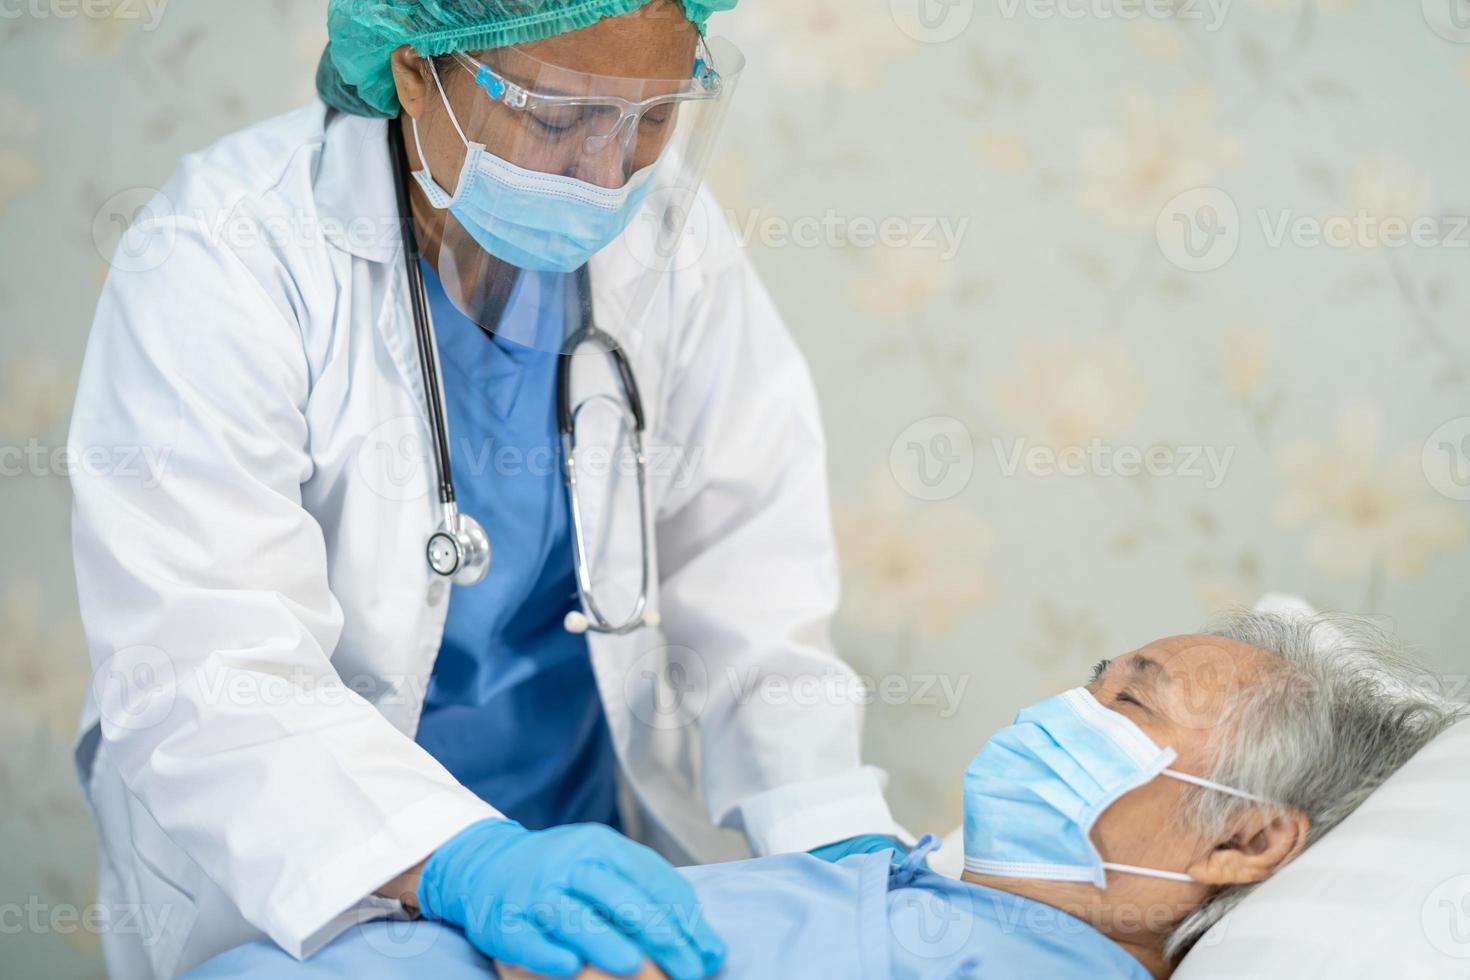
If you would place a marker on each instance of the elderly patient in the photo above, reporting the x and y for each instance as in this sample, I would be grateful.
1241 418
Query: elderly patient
1105 829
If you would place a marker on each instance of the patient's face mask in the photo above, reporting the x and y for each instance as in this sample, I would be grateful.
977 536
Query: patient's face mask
1034 791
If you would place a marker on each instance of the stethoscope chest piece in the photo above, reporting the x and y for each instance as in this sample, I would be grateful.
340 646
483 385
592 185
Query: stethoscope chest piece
460 549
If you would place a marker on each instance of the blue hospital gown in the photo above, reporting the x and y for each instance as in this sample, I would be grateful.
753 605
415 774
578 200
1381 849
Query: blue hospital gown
789 915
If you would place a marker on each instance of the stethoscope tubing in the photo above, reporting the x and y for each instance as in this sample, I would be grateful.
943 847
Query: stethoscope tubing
587 332
423 336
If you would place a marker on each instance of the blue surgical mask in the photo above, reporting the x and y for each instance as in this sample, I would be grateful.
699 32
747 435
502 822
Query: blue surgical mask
1034 791
537 221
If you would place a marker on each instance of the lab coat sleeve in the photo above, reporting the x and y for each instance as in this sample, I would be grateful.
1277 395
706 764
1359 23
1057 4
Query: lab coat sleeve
749 581
204 585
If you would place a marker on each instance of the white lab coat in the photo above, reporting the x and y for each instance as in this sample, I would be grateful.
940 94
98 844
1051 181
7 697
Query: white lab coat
259 611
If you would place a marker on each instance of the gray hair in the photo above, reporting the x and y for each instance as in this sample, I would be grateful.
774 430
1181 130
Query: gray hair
1344 708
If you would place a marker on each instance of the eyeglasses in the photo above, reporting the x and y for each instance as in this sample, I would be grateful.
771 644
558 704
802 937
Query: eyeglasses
597 117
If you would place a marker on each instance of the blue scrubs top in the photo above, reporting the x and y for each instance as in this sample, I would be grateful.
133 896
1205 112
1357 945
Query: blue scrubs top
512 709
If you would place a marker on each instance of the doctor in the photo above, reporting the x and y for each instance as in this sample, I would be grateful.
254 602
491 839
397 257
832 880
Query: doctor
388 634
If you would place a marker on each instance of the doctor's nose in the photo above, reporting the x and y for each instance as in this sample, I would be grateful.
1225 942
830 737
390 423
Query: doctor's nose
605 160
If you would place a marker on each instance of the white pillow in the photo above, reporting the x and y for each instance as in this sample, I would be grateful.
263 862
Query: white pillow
1385 894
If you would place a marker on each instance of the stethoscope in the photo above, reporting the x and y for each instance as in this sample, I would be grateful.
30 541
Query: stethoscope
460 550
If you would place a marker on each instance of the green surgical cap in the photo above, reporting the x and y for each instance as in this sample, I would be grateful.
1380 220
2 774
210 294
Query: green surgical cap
355 74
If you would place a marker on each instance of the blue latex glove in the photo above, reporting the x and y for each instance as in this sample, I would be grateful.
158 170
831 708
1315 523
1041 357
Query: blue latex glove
862 844
551 900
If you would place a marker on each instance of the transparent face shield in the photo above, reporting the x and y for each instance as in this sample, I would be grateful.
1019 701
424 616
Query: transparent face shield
561 167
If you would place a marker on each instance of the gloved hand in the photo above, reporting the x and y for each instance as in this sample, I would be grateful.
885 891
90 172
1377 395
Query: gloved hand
552 900
862 844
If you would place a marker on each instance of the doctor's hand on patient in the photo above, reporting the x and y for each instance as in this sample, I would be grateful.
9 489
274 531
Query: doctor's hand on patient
552 901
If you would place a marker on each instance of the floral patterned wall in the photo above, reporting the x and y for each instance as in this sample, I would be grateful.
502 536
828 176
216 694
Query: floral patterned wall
1122 312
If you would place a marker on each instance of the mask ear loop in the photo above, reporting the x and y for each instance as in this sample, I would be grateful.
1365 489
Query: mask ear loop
1130 869
1185 777
443 97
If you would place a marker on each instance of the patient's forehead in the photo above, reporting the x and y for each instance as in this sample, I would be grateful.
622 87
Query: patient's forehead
1184 682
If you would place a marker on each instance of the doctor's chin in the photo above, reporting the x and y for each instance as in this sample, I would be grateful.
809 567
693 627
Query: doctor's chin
703 490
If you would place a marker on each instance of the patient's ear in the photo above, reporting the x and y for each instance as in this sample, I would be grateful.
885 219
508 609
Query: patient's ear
1256 844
